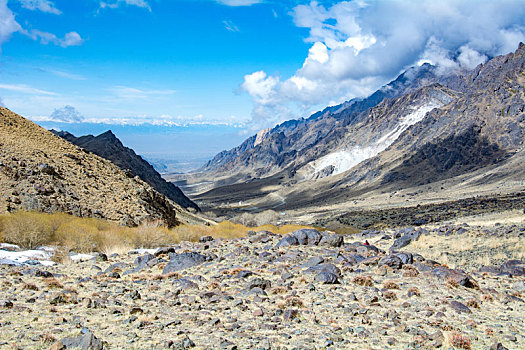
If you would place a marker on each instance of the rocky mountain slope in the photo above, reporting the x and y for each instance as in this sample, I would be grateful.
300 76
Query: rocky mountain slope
460 131
108 146
272 150
43 172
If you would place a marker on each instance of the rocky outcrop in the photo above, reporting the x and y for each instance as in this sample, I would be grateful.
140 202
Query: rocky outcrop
108 146
42 172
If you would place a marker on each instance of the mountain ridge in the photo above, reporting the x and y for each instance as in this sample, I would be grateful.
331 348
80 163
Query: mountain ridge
108 146
42 172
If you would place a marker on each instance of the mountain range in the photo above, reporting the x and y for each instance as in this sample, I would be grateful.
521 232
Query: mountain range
427 134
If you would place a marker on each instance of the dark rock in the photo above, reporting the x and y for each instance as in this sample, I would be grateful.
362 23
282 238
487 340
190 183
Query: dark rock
331 268
6 304
205 239
459 307
331 240
185 284
498 346
86 341
287 241
406 258
405 240
460 277
183 261
244 274
261 237
260 283
307 236
326 277
164 251
391 260
313 261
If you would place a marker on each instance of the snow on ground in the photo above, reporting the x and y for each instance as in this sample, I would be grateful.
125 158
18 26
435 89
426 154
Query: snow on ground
343 160
27 257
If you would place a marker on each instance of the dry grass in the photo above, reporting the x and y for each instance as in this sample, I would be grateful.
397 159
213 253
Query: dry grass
365 281
390 285
458 340
31 229
449 249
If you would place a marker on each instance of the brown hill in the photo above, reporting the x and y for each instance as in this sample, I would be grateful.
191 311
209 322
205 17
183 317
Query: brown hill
42 172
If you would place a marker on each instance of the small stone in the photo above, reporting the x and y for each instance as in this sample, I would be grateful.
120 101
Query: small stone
459 307
6 304
258 313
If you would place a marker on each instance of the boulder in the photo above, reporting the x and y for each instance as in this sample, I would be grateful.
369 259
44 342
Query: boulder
331 240
183 261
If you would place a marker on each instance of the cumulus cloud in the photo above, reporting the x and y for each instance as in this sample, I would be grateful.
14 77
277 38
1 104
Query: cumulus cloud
239 2
66 114
118 3
70 39
357 46
41 5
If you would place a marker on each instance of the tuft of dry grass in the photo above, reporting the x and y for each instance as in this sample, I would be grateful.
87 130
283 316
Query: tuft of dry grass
451 283
390 285
365 281
458 340
390 295
53 283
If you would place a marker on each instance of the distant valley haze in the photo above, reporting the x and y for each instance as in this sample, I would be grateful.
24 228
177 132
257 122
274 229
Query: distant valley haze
180 81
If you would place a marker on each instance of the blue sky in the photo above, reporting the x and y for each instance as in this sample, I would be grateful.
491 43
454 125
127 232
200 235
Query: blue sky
211 72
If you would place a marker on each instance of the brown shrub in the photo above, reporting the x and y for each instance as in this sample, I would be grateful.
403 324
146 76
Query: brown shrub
459 341
390 295
390 285
27 229
473 303
365 281
487 297
451 283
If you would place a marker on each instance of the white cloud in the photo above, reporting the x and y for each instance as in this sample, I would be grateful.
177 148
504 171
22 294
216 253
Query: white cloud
356 46
230 26
118 3
70 39
63 74
239 2
41 5
66 114
25 89
8 24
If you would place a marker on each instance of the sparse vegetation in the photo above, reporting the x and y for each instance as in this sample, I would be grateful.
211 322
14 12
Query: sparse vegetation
458 340
32 229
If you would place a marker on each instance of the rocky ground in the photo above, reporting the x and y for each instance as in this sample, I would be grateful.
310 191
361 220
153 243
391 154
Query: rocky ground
305 290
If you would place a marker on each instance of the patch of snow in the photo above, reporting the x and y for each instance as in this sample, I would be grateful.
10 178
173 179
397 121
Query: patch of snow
142 251
28 257
81 257
7 246
343 160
